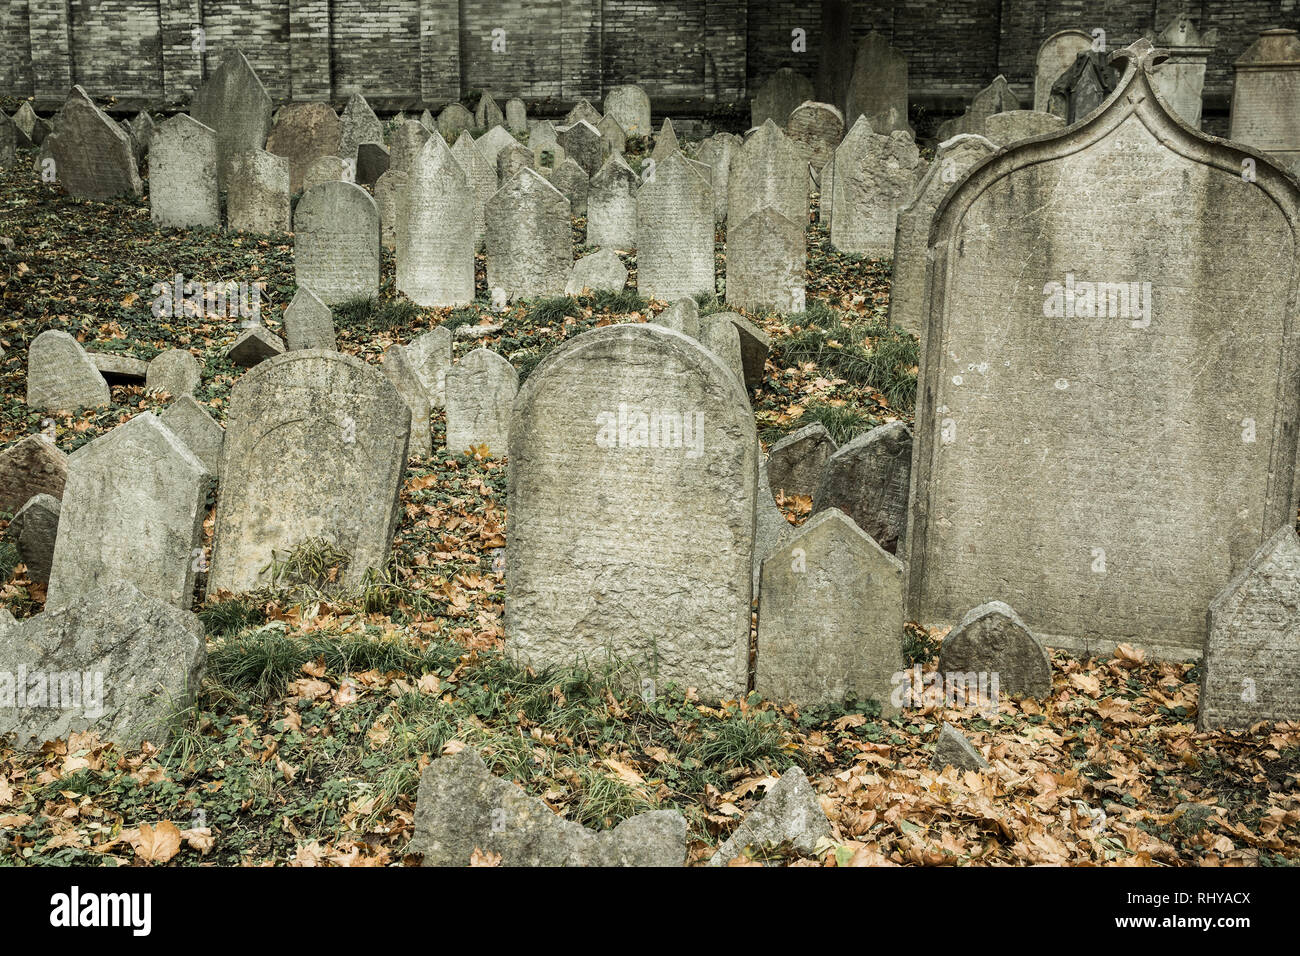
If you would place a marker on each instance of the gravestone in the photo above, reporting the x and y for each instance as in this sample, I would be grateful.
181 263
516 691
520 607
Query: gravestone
183 174
258 196
771 527
29 467
336 242
142 128
599 272
583 144
30 125
1181 78
683 316
1115 541
789 813
174 372
304 132
480 391
125 125
120 369
516 116
542 133
665 142
529 238
192 424
779 97
754 344
795 463
308 322
878 87
991 639
612 133
611 206
573 184
61 376
765 263
867 479
721 338
430 355
768 170
132 512
830 618
952 749
1003 129
674 232
400 369
454 120
93 158
334 408
390 190
9 140
358 125
373 160
995 98
718 151
582 111
816 129
1056 55
1080 90
630 106
328 169
435 230
492 142
511 159
658 573
122 664
874 179
405 143
487 113
1252 650
233 103
254 345
482 180
952 161
1266 97
33 531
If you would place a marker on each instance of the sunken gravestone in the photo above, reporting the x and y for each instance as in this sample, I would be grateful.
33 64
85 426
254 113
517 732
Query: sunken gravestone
992 639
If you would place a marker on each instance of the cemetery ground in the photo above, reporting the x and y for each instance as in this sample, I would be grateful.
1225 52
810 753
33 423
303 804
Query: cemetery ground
319 709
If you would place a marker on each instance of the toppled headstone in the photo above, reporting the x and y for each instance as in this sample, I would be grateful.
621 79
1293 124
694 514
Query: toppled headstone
61 376
481 389
119 369
174 371
789 812
599 272
952 749
202 434
795 463
255 344
991 639
32 466
336 242
33 531
308 322
529 238
868 479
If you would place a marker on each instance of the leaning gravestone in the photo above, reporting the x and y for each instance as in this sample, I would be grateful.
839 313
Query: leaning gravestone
780 96
482 180
235 105
405 143
33 531
1003 129
435 230
991 639
481 389
1056 55
1252 652
583 144
454 120
1266 97
574 185
765 263
511 159
93 158
830 617
768 170
183 174
390 189
874 179
487 113
721 338
611 206
61 376
529 238
337 409
32 466
400 369
868 480
358 125
190 422
816 129
663 438
30 125
336 242
132 512
674 232
304 132
1208 463
430 354
258 196
118 661
174 372
665 142
373 160
878 87
308 322
630 106
795 463
952 161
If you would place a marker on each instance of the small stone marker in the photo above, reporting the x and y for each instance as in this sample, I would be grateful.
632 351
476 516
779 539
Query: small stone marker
683 315
32 466
33 531
611 206
630 106
665 142
183 174
481 389
308 322
789 812
202 434
868 479
93 158
175 372
336 242
795 463
952 749
991 639
529 238
61 376
766 258
1003 129
674 232
598 272
435 230
234 104
780 96
120 369
255 344
258 197
304 132
516 116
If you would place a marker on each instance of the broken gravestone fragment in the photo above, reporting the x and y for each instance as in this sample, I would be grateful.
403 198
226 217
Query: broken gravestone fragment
789 812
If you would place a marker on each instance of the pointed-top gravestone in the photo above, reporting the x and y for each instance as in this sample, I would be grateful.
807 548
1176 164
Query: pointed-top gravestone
583 143
492 142
630 107
868 480
33 530
254 345
142 127
304 132
542 133
192 424
789 813
997 97
830 617
796 462
132 511
350 415
32 466
614 135
1251 670
878 88
573 183
93 158
718 151
183 174
516 116
435 230
660 438
665 142
61 376
1106 350
765 262
779 96
511 159
426 120
1056 55
358 125
234 104
308 322
258 198
674 232
991 639
952 749
487 114
336 242
31 125
768 170
481 390
611 206
875 177
529 238
454 120
405 143
482 180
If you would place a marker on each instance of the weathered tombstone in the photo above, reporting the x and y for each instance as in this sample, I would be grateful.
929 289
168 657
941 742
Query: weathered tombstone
33 531
174 372
481 389
867 479
583 144
765 263
874 179
1003 129
492 142
768 170
795 463
435 230
487 113
258 196
516 116
683 316
1252 650
721 338
1266 97
454 120
511 159
234 104
405 143
190 422
547 157
482 180
117 662
336 242
630 106
427 121
308 322
142 128
582 110
779 96
183 174
952 161
754 343
878 87
328 169
132 512
7 132
1208 462
771 527
542 133
718 151
816 129
61 376
612 133
400 369
32 466
995 98
30 125
337 409
830 617
373 160
303 132
665 142
674 232
598 272
529 238
1181 78
991 639
120 369
952 749
430 355
1056 55
1080 90
390 191
358 125
789 813
93 158
664 438
570 179
611 206
254 345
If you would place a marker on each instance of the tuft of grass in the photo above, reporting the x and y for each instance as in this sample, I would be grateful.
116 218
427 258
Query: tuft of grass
553 309
918 646
873 354
623 301
229 617
315 567
375 315
842 422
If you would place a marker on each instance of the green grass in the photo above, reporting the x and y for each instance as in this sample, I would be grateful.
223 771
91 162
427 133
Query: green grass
375 315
